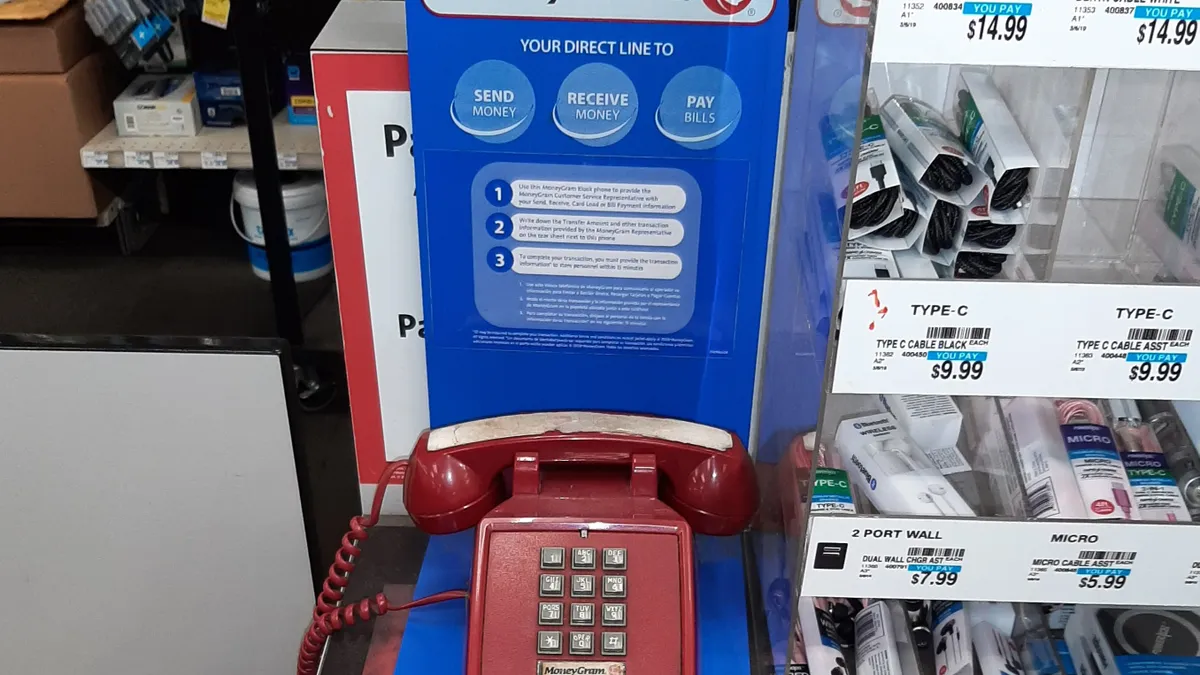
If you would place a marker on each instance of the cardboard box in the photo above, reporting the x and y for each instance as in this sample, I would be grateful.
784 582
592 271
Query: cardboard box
44 122
52 45
158 105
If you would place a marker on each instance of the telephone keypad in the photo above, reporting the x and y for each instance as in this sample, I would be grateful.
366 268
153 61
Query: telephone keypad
613 614
553 558
583 585
583 558
581 644
614 558
549 642
582 614
614 586
552 585
550 613
612 644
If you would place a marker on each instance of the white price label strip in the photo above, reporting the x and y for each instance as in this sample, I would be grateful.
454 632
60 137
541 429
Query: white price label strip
93 159
1018 339
135 159
1065 33
1040 561
166 160
213 160
288 161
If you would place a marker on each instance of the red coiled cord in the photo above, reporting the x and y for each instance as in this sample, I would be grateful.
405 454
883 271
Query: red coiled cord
327 615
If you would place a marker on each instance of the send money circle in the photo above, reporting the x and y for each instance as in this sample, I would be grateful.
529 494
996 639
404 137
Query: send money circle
700 108
597 105
493 102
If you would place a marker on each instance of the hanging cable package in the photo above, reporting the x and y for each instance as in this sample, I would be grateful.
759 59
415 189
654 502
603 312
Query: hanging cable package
938 221
929 148
985 231
874 194
994 139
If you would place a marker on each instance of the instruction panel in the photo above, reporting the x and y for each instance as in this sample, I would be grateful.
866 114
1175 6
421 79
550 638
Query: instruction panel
595 202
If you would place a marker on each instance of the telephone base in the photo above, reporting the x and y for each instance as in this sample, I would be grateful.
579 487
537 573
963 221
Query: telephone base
435 637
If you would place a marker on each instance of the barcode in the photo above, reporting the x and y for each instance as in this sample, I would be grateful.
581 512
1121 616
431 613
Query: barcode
866 626
937 552
1042 500
130 122
958 333
1117 556
1168 334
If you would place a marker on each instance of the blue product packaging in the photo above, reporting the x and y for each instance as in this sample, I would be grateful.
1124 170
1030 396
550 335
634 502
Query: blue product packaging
594 199
220 96
301 101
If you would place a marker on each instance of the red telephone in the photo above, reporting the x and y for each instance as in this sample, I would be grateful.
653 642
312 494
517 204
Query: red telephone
586 567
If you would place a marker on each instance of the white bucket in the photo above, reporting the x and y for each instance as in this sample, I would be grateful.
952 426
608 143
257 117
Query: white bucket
307 217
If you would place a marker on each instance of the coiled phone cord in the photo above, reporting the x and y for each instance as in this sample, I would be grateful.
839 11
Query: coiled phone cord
1077 410
976 265
947 173
990 235
899 227
328 616
943 225
1010 190
872 209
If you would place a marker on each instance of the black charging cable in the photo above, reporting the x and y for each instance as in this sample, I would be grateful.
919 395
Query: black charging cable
873 209
948 174
943 225
987 234
900 227
1010 190
976 265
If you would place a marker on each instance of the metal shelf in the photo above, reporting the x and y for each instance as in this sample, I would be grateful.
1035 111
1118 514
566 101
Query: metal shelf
297 147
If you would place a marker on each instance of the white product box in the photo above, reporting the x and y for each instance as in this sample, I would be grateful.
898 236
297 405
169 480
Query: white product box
158 105
994 139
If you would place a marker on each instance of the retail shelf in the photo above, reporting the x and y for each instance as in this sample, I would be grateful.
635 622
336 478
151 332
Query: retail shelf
1043 561
298 148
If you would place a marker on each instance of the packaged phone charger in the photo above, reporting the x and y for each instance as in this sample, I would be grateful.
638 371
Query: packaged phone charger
875 651
901 233
981 232
919 136
992 136
892 470
1050 488
906 650
951 638
994 650
876 173
1180 176
1136 640
818 630
938 243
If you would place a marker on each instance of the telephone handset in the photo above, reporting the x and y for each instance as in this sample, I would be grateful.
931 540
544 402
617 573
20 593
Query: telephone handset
583 552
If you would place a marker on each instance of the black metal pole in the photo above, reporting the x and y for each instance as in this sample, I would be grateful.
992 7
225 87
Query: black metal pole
251 38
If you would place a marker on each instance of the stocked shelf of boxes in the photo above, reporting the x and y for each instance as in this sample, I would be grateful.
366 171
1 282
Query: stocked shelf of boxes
297 148
1007 444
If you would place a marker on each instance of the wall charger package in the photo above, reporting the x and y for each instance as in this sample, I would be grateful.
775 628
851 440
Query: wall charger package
983 233
892 471
158 105
992 136
875 651
929 149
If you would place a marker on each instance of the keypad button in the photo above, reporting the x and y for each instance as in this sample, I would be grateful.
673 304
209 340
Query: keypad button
549 642
581 614
612 644
550 613
614 558
614 586
581 644
552 585
583 558
583 585
553 558
613 614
